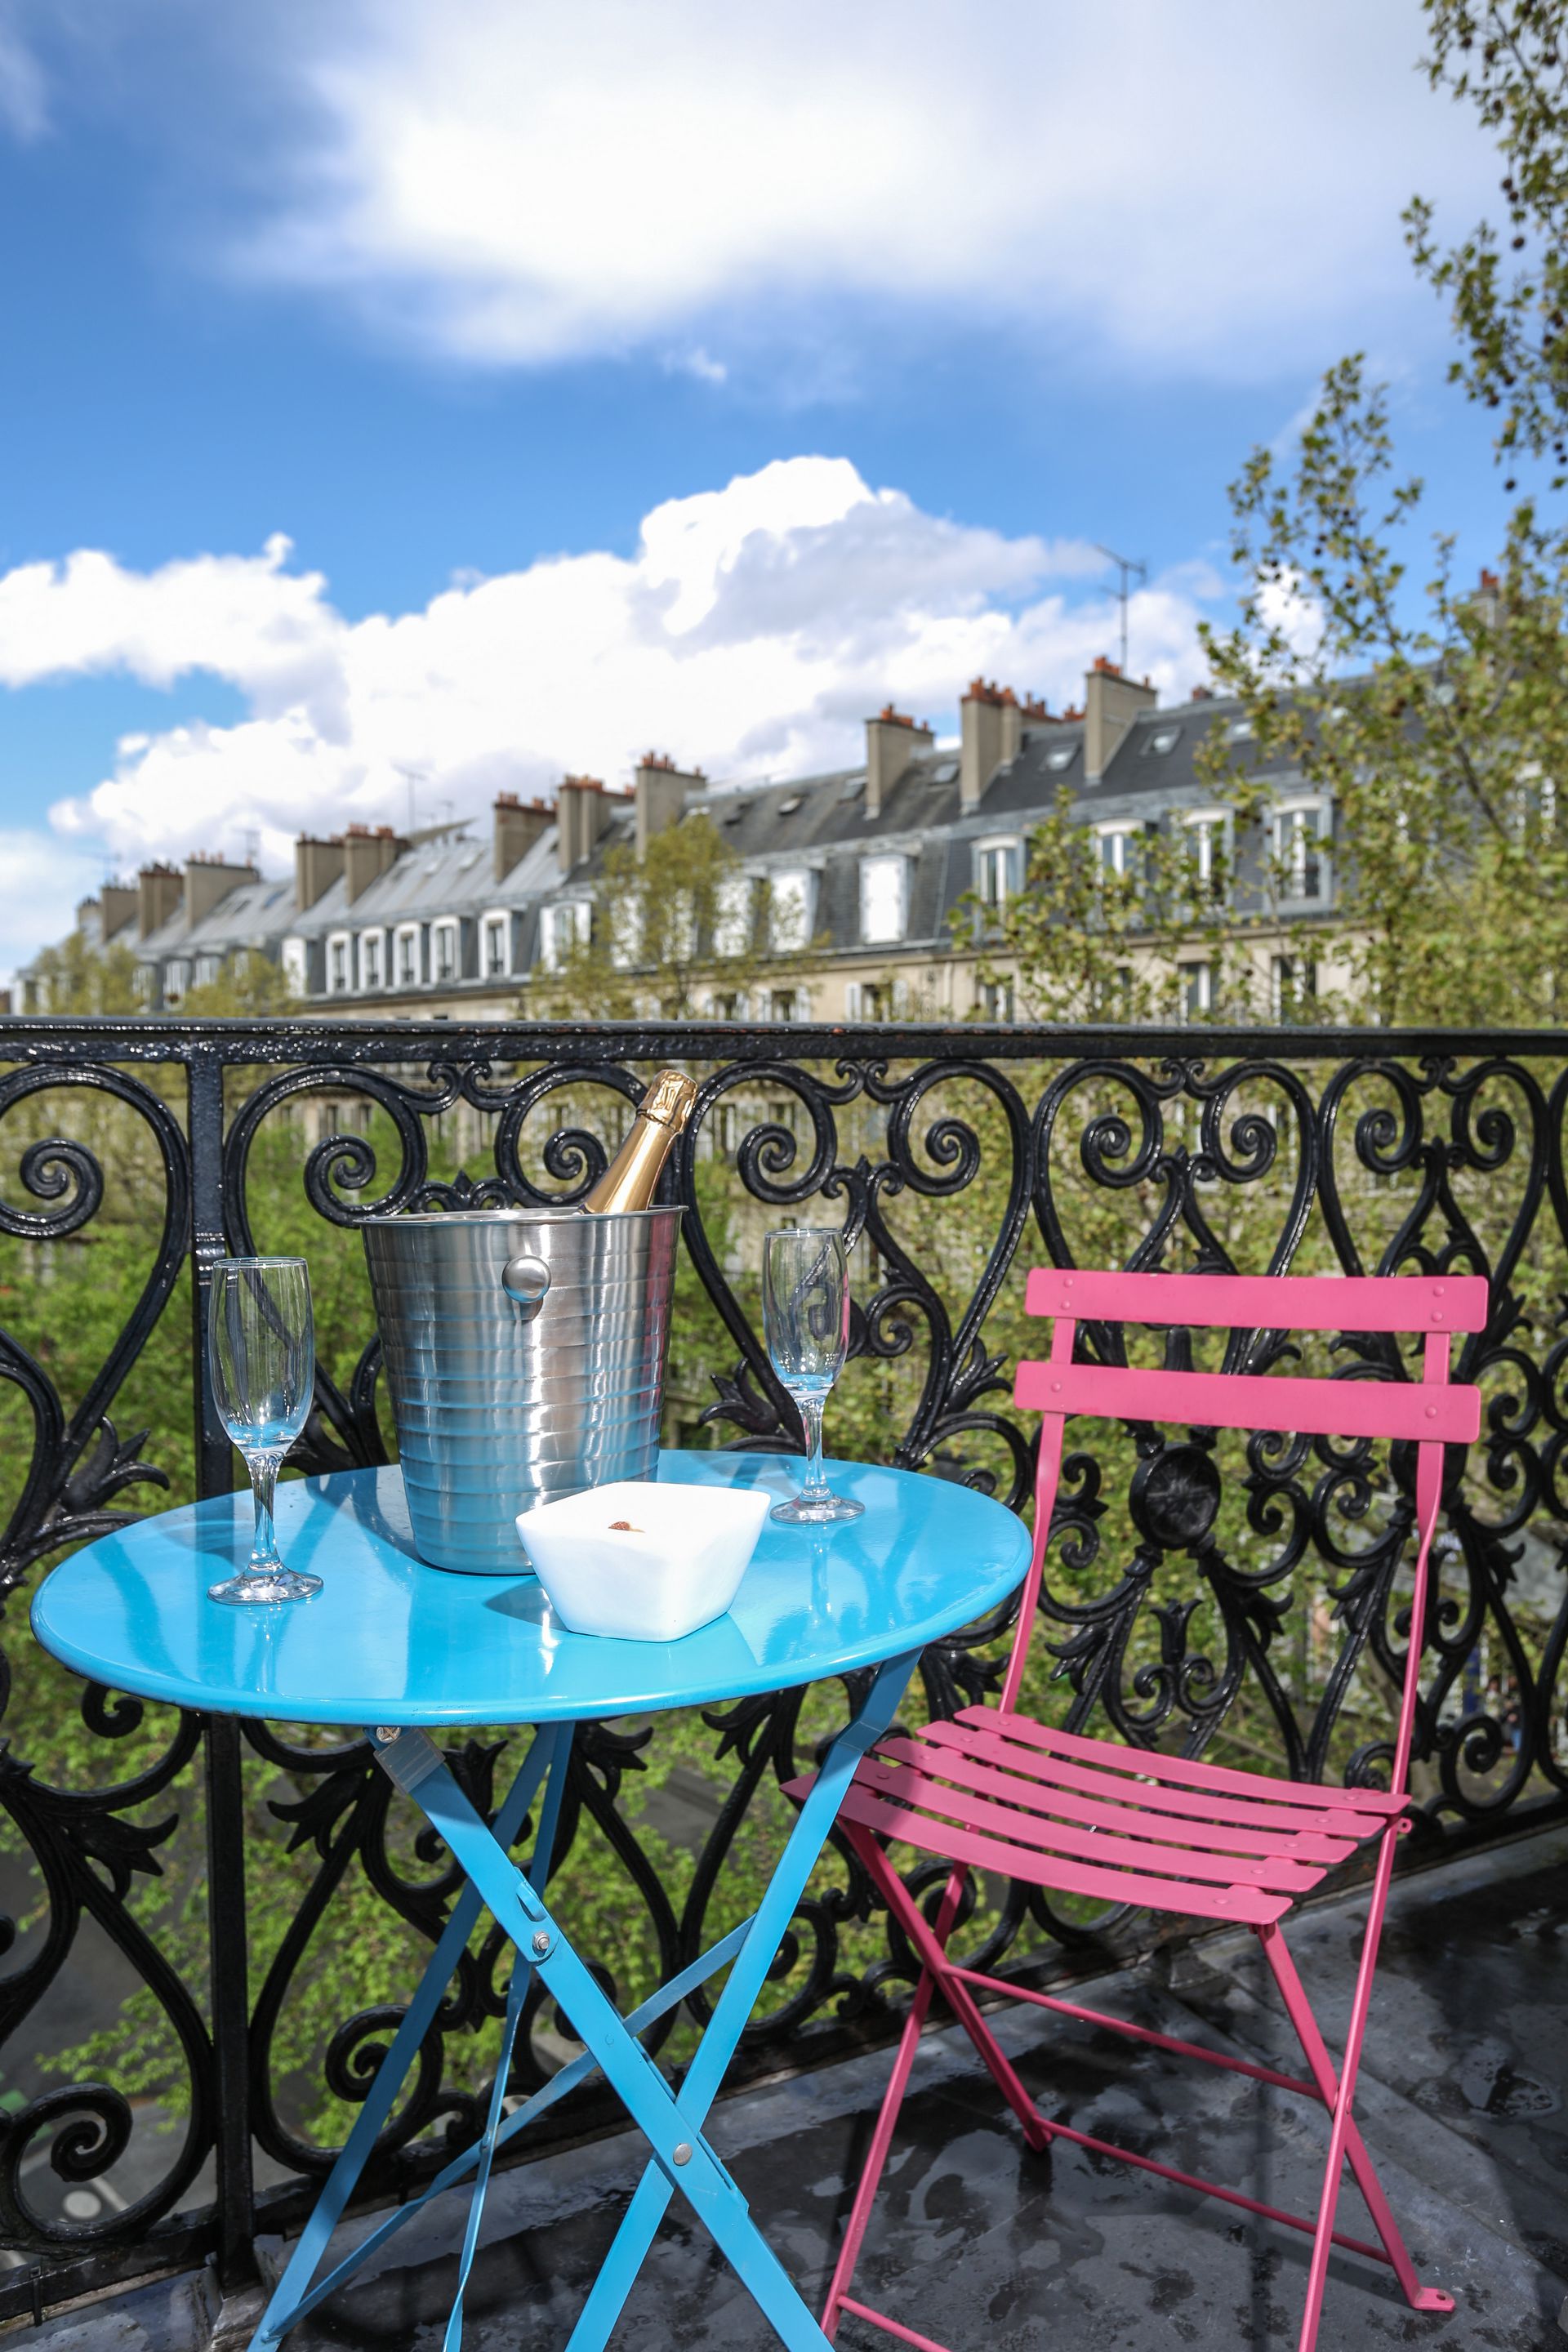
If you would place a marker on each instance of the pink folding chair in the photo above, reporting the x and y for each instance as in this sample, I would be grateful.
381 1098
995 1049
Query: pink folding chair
993 1789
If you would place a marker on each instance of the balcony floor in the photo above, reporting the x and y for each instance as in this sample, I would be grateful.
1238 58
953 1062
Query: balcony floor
980 2243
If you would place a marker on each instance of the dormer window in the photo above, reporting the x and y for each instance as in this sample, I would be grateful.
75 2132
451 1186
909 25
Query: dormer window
1162 740
997 872
443 951
495 946
1302 853
791 905
1061 757
884 900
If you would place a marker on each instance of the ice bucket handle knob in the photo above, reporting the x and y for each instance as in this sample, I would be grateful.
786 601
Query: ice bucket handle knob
525 1281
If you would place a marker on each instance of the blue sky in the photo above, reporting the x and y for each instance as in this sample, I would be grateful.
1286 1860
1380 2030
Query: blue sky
688 377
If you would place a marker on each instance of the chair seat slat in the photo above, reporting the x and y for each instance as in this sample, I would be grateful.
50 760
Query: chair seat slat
1247 1906
1042 1792
1152 1771
927 1796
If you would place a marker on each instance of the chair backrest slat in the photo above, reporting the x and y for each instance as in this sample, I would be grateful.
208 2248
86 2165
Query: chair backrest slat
1420 1411
1265 1302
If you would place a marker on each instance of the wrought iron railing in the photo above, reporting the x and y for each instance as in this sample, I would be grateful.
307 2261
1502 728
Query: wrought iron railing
209 1923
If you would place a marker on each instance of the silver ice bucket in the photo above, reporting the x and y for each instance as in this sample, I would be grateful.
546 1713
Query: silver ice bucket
524 1357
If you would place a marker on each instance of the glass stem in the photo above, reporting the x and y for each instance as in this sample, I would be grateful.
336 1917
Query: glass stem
264 1468
816 1485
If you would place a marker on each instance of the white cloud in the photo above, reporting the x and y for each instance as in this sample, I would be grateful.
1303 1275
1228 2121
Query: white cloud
41 882
24 108
1211 186
752 630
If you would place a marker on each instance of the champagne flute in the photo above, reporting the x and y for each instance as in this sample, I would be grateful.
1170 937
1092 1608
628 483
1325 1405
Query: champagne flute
262 1351
805 1318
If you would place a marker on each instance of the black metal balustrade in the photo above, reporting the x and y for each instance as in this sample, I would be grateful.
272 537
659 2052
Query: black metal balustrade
1260 1605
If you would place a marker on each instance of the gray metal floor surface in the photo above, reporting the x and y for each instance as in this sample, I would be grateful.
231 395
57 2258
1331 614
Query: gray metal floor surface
980 2243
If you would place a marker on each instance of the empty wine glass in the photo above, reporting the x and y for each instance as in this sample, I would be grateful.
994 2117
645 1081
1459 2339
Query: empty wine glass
262 1349
805 1318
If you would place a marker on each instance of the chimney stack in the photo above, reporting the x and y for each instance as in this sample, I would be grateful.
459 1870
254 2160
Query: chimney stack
991 734
121 903
892 741
1111 704
84 907
159 890
367 855
662 789
208 881
518 825
582 814
317 865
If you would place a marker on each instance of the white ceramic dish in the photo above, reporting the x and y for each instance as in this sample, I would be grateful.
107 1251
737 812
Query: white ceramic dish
642 1562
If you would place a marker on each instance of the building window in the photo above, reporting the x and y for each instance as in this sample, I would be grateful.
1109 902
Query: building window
996 865
729 1005
1301 854
996 999
562 927
209 969
295 959
1208 847
369 953
876 1000
1117 846
1198 991
792 898
784 1005
1295 988
444 949
340 964
407 968
884 899
177 980
732 915
496 939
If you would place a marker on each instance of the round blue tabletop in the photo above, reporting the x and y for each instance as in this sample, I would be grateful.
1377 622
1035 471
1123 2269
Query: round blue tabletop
388 1639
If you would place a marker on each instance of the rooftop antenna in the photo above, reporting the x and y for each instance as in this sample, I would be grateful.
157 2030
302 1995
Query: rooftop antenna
1130 570
412 776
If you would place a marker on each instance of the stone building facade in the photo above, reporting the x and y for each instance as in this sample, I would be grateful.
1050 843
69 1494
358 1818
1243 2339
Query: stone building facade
863 867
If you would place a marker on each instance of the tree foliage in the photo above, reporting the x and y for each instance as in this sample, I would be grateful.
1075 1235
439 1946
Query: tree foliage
666 929
1434 713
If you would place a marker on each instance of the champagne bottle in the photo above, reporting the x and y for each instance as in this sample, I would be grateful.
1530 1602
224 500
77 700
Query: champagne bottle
631 1178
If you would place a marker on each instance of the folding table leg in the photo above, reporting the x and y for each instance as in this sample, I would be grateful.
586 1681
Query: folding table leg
548 1746
742 1989
671 2129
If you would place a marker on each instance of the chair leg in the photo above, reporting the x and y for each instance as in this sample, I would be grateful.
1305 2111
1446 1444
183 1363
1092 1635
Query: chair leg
887 2118
1342 2128
955 1991
1320 2066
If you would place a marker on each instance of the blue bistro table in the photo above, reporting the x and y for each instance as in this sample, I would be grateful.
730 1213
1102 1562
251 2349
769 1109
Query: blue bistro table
403 1649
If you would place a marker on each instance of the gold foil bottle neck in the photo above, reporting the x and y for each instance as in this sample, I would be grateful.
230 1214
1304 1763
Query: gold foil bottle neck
631 1180
669 1099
